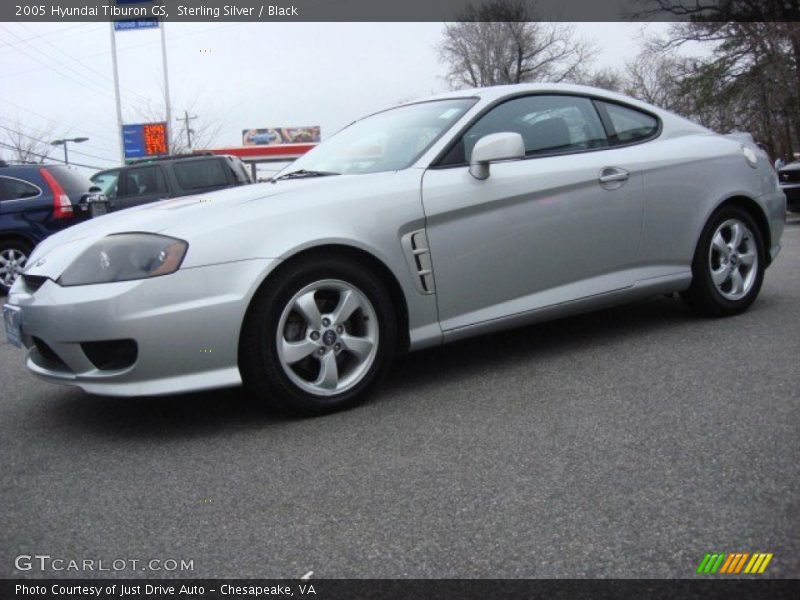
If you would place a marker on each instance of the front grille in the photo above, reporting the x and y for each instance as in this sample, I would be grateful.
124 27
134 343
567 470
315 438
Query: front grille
33 282
111 355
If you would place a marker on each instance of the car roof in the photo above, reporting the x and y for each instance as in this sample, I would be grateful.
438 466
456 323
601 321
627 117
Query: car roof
496 92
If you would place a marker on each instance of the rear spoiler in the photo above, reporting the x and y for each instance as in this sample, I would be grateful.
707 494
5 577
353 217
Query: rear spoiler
741 136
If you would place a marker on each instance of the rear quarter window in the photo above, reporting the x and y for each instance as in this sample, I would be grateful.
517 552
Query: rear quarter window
630 125
198 174
16 189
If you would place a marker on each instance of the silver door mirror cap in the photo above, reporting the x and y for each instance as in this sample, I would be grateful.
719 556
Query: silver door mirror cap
505 145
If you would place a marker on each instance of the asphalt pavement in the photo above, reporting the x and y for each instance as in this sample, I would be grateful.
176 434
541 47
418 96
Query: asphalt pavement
624 443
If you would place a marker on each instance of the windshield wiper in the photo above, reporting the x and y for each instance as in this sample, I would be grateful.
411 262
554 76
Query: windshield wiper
303 173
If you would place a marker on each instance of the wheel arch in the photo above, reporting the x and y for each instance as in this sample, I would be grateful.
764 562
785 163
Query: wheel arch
16 236
361 257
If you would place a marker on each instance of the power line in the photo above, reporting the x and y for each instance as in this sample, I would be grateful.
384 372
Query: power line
7 45
43 141
106 78
49 120
45 157
94 86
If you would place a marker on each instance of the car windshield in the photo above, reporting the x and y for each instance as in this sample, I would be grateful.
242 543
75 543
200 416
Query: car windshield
386 141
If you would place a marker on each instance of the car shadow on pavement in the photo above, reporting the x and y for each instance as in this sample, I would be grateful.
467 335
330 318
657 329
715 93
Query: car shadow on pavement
228 410
548 338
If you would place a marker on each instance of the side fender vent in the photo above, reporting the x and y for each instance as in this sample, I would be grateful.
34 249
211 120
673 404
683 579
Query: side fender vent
418 255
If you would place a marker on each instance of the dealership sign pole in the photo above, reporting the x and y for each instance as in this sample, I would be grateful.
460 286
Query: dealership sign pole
127 25
116 94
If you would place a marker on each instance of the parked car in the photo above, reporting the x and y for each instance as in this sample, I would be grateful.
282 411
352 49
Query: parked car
36 201
149 180
789 176
429 222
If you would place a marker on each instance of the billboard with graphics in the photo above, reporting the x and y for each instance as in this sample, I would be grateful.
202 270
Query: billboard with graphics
274 136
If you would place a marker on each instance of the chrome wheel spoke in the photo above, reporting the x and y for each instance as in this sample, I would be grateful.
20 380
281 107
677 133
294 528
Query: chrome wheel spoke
737 233
296 351
306 305
748 258
328 372
348 304
737 282
720 275
360 347
719 244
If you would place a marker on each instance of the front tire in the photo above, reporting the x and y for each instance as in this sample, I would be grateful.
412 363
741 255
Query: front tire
318 337
728 266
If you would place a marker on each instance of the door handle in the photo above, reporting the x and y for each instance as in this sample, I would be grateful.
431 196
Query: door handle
613 175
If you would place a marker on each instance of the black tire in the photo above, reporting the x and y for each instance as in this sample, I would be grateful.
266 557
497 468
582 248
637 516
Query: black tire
703 297
259 362
16 245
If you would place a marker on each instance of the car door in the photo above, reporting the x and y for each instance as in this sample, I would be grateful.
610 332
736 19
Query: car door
140 185
561 224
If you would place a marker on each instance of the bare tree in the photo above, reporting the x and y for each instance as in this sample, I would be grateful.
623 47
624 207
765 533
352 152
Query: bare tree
606 78
25 144
655 77
501 42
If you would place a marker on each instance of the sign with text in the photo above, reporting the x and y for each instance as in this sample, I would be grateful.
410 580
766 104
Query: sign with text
275 136
129 24
145 139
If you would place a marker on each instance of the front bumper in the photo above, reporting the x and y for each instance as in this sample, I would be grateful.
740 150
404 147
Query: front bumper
186 328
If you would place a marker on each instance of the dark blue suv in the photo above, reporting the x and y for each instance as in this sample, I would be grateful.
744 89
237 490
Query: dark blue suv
35 202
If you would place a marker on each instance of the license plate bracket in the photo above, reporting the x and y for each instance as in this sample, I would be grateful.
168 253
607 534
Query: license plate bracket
98 208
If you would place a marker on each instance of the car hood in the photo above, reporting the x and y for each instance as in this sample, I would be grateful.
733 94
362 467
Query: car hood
195 218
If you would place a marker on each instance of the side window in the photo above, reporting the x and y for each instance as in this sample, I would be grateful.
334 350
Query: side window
145 180
108 182
15 189
547 124
630 125
197 174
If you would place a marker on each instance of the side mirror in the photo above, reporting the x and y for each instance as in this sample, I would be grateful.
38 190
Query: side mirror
493 147
95 189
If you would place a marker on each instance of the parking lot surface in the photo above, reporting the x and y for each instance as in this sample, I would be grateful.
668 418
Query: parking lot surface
623 443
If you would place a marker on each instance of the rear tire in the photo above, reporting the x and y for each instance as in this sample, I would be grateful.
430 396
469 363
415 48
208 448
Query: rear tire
318 337
14 254
728 266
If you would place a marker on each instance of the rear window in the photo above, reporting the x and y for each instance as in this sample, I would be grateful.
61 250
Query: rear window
630 125
16 189
198 174
72 182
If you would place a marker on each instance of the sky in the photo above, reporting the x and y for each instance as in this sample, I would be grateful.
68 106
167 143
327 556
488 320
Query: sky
56 78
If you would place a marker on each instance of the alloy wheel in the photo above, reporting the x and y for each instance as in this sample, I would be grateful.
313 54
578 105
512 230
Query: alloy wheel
327 337
12 263
733 259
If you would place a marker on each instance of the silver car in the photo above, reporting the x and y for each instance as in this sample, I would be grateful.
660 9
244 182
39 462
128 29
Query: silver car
425 223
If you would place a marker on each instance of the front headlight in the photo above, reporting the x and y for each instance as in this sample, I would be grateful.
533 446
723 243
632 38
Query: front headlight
125 256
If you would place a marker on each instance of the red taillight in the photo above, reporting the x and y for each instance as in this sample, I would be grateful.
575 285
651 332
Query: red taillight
62 206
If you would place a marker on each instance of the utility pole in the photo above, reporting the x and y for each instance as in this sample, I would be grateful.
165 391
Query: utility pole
189 131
